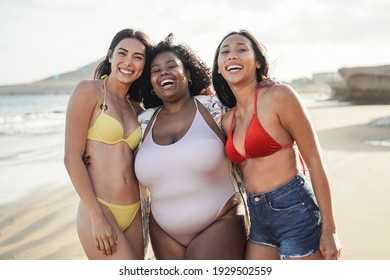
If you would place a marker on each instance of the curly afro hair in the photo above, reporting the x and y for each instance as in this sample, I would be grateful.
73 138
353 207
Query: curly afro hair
199 72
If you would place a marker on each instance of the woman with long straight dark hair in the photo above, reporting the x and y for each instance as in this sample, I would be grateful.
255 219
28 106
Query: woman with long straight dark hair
270 137
102 122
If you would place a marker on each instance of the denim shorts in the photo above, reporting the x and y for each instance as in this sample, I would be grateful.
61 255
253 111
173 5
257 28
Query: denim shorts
287 218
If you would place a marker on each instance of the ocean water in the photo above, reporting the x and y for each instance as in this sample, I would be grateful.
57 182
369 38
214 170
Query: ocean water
32 142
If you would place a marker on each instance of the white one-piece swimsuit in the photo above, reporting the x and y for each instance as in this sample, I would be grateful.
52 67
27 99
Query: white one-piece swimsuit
189 181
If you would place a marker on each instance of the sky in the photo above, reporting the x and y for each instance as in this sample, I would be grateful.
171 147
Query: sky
41 38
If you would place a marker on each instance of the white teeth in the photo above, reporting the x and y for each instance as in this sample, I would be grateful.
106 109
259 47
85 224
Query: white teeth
166 82
126 71
234 67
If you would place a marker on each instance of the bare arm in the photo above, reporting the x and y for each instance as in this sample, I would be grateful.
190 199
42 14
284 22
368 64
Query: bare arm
81 105
296 120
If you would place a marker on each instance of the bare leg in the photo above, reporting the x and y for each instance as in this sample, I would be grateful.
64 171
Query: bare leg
165 247
123 251
134 236
225 239
261 252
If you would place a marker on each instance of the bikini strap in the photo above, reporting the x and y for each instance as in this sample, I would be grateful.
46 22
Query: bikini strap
260 85
254 106
131 105
104 106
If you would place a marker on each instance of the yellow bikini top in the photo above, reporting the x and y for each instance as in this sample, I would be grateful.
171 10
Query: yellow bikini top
108 130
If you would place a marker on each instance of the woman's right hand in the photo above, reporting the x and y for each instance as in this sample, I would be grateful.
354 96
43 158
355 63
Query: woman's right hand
104 235
86 160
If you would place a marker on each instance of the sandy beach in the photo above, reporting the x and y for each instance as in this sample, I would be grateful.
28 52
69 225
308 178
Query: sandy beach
42 226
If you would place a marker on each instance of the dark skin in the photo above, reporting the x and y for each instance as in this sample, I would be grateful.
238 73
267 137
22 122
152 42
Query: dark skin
225 238
228 230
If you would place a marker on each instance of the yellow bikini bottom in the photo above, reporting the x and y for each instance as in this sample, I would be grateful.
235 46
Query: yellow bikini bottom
123 214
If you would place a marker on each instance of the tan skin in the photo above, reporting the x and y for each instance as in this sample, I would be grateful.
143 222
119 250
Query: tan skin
110 175
225 238
283 116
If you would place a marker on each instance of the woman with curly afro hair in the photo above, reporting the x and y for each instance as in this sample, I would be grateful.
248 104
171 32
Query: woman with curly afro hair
196 210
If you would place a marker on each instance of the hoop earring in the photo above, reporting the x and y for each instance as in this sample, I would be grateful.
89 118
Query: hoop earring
189 82
152 92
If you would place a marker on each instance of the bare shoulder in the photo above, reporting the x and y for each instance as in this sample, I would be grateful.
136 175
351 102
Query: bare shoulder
86 92
86 88
283 91
283 94
287 104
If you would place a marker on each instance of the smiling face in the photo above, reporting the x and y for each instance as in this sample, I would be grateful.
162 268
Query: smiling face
168 76
128 60
236 60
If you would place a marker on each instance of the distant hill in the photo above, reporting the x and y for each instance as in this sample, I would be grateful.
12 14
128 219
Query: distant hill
57 84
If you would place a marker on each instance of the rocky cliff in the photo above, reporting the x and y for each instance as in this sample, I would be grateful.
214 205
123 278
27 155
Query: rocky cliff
363 83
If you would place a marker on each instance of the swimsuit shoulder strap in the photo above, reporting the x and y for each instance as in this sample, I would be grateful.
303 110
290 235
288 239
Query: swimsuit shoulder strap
104 106
154 117
196 103
131 105
149 127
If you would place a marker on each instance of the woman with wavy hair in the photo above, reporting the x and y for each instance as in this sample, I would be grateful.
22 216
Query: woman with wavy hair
101 121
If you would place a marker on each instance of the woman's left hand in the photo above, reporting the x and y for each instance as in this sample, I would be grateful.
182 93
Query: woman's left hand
330 246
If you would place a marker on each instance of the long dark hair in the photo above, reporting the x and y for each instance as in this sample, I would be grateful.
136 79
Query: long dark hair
220 85
104 67
199 72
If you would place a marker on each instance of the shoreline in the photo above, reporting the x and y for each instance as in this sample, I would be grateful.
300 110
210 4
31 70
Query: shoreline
42 226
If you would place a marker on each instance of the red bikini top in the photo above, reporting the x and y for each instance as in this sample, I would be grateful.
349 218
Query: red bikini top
258 143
